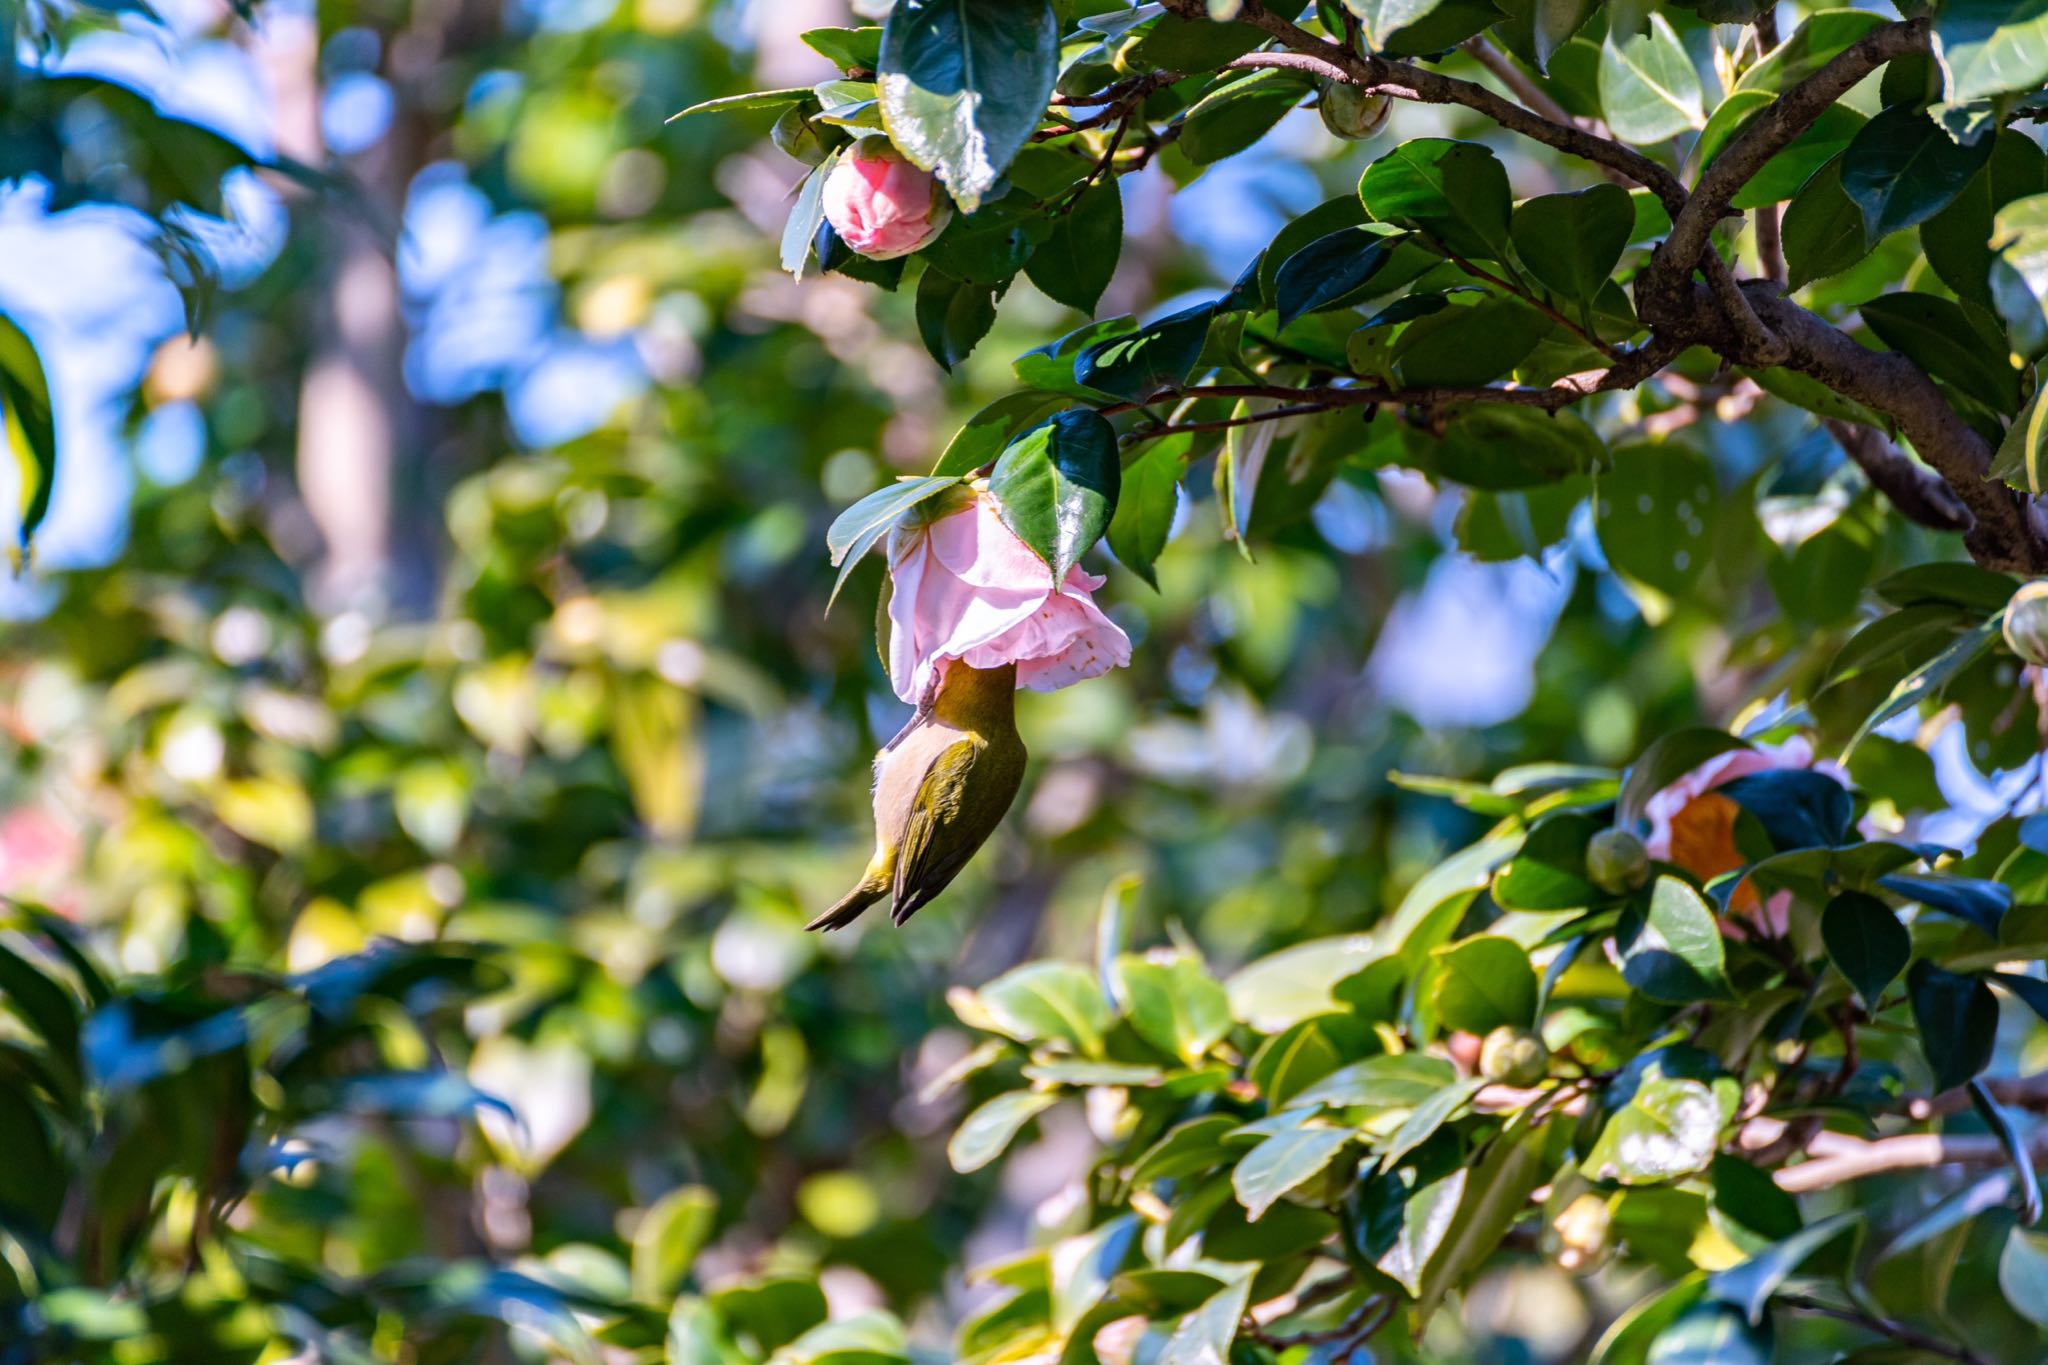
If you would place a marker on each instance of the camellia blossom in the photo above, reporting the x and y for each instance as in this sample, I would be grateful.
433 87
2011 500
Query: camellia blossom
967 588
1693 826
882 206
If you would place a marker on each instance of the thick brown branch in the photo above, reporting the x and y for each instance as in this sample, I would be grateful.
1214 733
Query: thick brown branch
1769 133
2004 535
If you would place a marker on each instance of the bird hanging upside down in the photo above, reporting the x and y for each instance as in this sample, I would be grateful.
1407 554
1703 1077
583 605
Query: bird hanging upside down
941 788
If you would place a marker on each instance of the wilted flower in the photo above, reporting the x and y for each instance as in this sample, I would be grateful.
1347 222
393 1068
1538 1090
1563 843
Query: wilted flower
882 206
1693 826
967 588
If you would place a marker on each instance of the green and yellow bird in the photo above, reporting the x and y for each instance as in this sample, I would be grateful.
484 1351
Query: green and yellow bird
941 788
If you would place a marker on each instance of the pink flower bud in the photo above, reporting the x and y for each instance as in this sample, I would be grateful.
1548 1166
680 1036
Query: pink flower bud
882 206
967 588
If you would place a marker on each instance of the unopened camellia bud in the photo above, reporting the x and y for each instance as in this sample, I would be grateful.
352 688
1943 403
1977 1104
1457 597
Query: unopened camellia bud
882 206
1617 861
2026 622
1350 113
1580 1234
1513 1056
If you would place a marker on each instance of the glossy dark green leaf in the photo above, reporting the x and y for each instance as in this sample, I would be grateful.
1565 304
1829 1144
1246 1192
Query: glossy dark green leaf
1572 242
1948 341
1902 168
1748 1287
1786 173
1329 270
1238 113
1454 192
1432 1114
1671 947
953 316
1549 873
1402 1080
1283 1162
1158 356
1057 486
1713 1334
1823 229
1468 347
1796 807
1866 943
861 527
1818 40
964 84
1074 264
2016 1150
1958 1021
31 428
1501 448
1991 47
992 429
1664 762
849 49
1958 239
1980 902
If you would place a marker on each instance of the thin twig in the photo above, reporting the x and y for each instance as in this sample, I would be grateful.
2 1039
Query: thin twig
1900 1332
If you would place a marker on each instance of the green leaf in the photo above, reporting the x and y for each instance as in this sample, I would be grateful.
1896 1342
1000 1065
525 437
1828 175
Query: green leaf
1175 1004
1426 1217
953 315
1663 763
1958 239
1188 1149
1713 1334
1304 1053
1549 873
805 218
1500 447
1236 114
1671 949
964 85
1401 1080
1972 899
1484 983
1866 943
1156 357
1958 1021
1057 486
31 429
1948 341
1432 1114
1902 168
1748 1287
1572 242
1280 990
987 1133
1455 192
1379 20
1657 514
2014 1146
1467 347
1823 229
1330 270
1042 1002
870 1338
1283 1162
1319 222
1074 264
757 99
2019 271
1649 90
775 1310
1172 43
857 530
1204 1336
1786 173
667 1239
1146 505
991 430
1523 1157
1991 47
1818 40
1670 1127
1927 681
849 49
2023 1274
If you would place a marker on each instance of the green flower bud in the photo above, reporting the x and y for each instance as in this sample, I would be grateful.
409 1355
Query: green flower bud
2026 622
1350 113
1617 861
1513 1056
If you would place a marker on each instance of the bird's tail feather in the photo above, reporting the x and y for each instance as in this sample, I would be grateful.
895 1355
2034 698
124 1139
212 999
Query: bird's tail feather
850 906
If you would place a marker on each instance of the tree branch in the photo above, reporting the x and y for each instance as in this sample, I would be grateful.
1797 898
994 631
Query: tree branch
1916 491
1401 80
1900 1332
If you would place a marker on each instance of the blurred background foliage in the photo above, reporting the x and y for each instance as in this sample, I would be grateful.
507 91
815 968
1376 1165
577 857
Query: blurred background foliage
461 584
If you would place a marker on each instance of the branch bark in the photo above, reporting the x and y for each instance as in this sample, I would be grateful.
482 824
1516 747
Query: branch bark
1918 493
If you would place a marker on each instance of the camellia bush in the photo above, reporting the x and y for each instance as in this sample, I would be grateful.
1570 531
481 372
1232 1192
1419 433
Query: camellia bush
457 985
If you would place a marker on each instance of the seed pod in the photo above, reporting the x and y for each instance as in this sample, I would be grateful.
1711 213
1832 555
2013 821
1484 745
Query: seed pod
1513 1056
2026 622
1350 113
1617 861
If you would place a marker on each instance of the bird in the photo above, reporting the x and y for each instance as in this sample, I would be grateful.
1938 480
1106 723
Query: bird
941 788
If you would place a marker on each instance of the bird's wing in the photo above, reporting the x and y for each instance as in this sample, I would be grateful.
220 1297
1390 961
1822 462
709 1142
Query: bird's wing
924 861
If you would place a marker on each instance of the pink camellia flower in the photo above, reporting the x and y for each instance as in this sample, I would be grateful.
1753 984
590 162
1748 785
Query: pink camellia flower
39 856
1693 826
882 206
967 588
